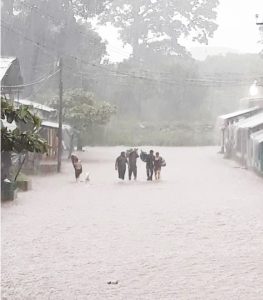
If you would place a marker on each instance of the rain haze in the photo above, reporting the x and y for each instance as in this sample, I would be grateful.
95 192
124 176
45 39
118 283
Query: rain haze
131 149
236 32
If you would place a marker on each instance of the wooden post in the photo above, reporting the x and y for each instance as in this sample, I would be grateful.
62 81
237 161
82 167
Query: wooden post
60 116
223 141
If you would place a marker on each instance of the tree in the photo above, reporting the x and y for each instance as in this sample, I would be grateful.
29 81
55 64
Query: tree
159 25
157 92
38 31
21 139
82 112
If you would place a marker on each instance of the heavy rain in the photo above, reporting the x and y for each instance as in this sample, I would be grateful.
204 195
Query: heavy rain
131 149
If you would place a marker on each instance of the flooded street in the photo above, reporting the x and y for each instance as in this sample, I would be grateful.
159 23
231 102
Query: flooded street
196 234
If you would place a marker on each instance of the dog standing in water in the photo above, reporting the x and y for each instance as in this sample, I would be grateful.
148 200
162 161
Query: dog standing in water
77 166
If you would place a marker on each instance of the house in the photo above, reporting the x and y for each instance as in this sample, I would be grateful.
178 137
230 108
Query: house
11 89
11 77
49 131
242 136
43 111
242 131
46 163
49 128
226 121
256 151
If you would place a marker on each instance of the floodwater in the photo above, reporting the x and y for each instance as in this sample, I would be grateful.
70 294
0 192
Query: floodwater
196 234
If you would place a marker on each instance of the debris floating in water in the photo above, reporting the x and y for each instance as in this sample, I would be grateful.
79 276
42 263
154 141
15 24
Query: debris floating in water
113 282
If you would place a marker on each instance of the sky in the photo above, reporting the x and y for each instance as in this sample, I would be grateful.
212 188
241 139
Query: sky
237 28
237 31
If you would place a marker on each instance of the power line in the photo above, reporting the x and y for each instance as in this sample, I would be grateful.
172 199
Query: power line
192 81
31 83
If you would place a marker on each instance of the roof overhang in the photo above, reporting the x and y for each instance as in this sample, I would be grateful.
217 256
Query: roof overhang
51 124
10 75
35 105
239 113
251 122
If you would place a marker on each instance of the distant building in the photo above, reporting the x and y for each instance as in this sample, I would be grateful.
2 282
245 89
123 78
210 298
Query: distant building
242 133
256 151
225 123
11 77
38 163
244 129
11 88
42 111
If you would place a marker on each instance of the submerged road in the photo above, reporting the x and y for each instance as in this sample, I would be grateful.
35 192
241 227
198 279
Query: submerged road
196 234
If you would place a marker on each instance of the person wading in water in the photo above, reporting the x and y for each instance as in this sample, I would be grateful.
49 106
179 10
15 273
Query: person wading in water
150 165
132 159
77 166
157 166
120 165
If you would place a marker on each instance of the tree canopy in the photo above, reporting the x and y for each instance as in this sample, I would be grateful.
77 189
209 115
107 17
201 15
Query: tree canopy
160 25
82 111
39 31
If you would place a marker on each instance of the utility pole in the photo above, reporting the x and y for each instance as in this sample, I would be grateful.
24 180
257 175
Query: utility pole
60 116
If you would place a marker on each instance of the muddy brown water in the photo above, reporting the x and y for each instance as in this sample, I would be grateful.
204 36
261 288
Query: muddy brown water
196 234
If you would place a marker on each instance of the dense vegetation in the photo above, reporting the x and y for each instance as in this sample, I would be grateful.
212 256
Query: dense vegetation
21 139
162 95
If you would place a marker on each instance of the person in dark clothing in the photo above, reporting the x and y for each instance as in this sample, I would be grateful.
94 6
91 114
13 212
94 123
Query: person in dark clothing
120 165
132 159
150 165
77 166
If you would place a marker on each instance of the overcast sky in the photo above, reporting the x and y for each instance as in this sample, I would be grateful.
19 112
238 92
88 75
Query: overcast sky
237 29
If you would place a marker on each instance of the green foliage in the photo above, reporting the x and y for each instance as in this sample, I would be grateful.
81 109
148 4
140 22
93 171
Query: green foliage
20 114
128 132
158 91
37 31
81 110
19 139
159 25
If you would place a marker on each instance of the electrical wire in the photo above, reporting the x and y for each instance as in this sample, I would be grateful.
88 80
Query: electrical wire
191 81
45 78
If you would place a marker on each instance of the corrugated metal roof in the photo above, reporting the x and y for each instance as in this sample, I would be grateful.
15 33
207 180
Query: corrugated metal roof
238 113
5 63
35 105
251 122
54 125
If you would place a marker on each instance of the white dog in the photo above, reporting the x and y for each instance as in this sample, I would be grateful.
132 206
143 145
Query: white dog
87 177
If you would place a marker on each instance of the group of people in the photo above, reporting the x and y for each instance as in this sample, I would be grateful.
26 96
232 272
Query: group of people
154 164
